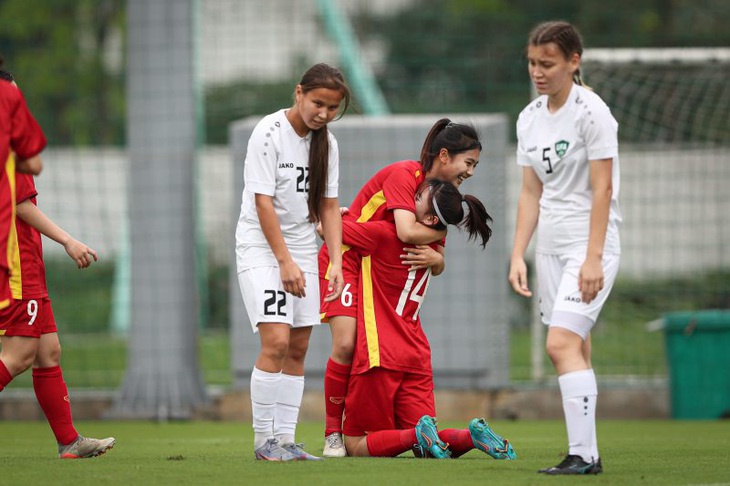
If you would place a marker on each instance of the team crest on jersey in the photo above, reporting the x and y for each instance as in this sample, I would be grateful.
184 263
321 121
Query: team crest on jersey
561 147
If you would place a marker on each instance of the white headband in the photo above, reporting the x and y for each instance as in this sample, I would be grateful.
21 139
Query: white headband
438 213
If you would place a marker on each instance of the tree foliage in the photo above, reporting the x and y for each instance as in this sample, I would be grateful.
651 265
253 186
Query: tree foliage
68 71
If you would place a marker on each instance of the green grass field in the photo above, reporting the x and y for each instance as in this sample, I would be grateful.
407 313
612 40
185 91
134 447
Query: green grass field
633 452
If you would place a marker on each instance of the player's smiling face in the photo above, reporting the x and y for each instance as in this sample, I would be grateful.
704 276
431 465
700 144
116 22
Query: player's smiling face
455 168
550 71
315 108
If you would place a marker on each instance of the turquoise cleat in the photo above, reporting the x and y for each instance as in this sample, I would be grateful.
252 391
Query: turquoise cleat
428 439
489 442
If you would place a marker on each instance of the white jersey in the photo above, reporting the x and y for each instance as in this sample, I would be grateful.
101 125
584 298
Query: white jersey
558 146
277 165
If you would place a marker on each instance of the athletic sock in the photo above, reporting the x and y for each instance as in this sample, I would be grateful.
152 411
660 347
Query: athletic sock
264 387
390 443
5 376
336 378
579 392
286 412
52 395
459 441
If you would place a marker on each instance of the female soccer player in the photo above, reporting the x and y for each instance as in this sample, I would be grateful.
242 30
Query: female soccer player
450 152
568 147
28 329
389 403
291 177
21 141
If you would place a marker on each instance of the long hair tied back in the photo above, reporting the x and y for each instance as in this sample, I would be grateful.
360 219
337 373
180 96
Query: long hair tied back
448 205
321 76
562 34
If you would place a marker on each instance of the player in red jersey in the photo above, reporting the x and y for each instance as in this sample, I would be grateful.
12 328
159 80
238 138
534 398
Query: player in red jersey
450 152
389 403
21 141
28 329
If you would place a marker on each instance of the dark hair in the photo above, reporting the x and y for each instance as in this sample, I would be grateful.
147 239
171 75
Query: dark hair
454 137
321 76
446 203
4 74
562 34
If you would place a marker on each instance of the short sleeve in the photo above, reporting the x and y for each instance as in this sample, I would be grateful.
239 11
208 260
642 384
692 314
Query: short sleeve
261 159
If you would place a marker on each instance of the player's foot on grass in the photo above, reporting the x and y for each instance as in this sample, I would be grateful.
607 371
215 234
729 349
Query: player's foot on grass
298 451
486 440
84 447
272 451
574 465
334 446
428 439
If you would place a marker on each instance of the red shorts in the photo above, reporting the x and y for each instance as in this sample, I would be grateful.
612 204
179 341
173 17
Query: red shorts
382 399
346 305
28 317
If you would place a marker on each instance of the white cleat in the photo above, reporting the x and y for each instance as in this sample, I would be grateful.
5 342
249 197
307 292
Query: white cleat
334 446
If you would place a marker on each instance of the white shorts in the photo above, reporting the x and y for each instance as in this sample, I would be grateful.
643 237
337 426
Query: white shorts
560 299
265 299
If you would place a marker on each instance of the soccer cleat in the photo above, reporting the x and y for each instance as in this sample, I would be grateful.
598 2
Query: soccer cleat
84 447
297 450
428 439
333 446
486 440
574 465
272 451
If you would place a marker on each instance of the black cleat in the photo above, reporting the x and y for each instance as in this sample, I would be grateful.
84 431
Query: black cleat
574 465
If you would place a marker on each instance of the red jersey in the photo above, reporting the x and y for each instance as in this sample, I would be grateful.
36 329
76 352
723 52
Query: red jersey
389 332
19 134
392 187
28 279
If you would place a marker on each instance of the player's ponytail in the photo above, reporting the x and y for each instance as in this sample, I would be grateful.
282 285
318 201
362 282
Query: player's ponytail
447 205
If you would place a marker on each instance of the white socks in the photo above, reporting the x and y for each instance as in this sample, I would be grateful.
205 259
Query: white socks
579 392
264 389
275 402
288 401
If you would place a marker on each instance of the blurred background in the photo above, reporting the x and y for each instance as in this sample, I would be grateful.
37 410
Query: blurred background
662 66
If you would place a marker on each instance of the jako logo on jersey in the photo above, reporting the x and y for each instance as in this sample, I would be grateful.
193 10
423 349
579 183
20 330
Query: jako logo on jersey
561 147
572 298
286 165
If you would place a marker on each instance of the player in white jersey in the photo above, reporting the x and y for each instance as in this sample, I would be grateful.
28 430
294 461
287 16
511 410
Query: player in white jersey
291 176
568 149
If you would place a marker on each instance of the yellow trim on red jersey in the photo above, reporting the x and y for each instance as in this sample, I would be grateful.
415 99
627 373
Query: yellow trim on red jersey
13 252
371 326
377 200
329 265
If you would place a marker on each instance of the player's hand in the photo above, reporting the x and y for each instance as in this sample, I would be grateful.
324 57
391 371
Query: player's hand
80 253
293 279
518 277
421 256
344 210
590 279
335 284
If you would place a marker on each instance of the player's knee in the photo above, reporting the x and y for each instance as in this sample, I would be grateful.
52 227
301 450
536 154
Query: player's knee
343 350
18 362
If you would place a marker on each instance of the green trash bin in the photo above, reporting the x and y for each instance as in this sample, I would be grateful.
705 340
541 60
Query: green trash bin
698 355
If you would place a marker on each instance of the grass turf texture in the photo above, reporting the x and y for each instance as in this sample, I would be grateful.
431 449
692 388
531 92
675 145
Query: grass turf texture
634 452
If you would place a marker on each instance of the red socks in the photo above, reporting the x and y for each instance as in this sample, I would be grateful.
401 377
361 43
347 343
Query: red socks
390 443
52 395
5 376
336 377
459 441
